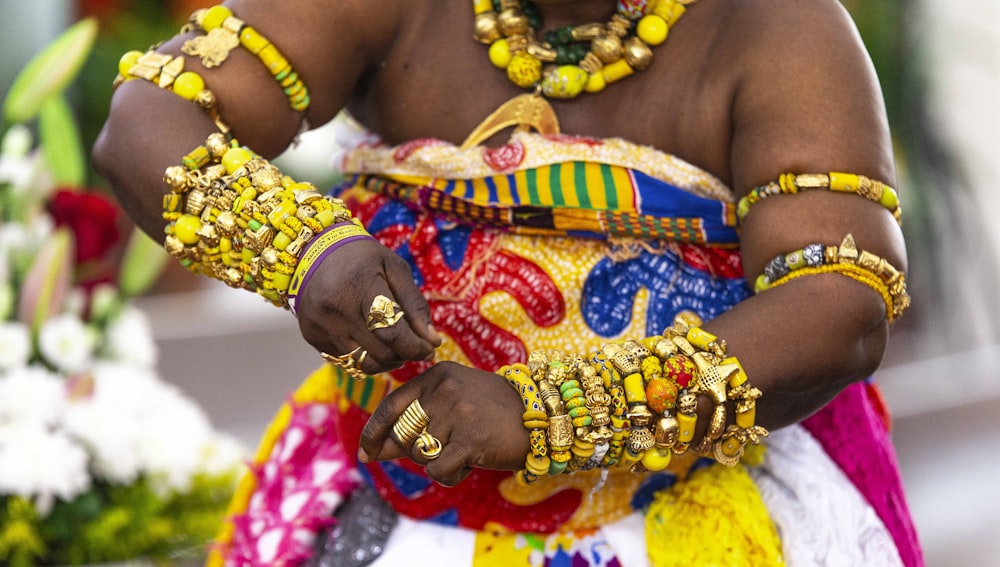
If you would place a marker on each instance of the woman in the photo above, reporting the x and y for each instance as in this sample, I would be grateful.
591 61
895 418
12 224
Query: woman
613 221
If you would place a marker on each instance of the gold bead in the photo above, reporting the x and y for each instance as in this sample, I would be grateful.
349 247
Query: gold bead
226 223
176 178
607 47
486 29
512 21
637 53
667 431
216 145
266 179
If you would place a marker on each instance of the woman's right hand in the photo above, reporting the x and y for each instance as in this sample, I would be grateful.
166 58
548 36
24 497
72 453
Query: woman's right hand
333 309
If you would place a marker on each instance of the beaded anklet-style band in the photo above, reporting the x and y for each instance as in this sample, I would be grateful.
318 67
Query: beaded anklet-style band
234 217
790 184
167 72
633 404
859 265
225 32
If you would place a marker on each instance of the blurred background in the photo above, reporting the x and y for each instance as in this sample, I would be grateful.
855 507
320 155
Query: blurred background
939 64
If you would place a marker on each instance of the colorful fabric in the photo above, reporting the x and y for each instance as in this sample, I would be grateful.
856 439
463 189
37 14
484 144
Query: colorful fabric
499 284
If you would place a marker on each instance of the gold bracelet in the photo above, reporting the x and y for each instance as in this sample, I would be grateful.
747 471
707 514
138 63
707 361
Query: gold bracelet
791 184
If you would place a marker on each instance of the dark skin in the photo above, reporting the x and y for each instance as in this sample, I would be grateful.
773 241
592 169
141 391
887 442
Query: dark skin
745 89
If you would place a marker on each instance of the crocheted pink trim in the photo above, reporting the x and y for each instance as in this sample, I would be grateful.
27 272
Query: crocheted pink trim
854 435
307 475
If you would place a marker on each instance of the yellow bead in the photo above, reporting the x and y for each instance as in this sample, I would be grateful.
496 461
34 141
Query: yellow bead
246 255
685 427
234 159
128 61
225 245
795 260
656 459
524 70
480 6
635 389
272 59
844 182
652 29
281 281
747 419
889 199
701 338
325 218
500 54
281 241
187 85
285 208
616 71
731 447
214 17
629 458
186 229
566 81
669 10
252 40
761 284
740 376
595 83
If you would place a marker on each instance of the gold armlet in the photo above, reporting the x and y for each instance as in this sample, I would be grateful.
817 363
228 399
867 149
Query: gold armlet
862 266
791 184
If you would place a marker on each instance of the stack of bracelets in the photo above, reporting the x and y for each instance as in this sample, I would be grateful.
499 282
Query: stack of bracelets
634 404
233 216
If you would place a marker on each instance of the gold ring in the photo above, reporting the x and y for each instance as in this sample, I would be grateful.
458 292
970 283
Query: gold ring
383 313
347 362
428 446
410 424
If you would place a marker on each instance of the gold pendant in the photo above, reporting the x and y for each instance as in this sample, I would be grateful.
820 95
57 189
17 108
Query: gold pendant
213 48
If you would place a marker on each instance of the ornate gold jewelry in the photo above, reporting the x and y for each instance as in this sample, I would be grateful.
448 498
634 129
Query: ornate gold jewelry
428 446
383 313
348 363
410 424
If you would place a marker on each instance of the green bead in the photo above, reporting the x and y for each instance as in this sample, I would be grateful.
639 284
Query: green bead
254 225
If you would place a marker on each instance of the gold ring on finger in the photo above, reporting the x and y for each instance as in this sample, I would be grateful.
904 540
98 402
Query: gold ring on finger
410 424
428 446
347 363
383 313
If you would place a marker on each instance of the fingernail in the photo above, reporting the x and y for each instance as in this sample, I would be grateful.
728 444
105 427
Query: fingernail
362 455
434 333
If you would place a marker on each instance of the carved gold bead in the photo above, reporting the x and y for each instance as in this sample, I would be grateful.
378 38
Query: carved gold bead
176 178
512 21
607 47
486 29
637 53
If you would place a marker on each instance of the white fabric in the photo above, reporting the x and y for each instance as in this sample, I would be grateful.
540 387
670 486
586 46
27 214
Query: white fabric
821 517
424 544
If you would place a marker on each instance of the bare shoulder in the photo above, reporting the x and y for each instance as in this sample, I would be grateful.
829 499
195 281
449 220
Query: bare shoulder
807 97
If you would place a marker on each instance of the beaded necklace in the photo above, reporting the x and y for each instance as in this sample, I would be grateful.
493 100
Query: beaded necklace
573 59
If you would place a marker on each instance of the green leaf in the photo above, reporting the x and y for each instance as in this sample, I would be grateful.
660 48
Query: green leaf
61 143
49 71
141 267
47 281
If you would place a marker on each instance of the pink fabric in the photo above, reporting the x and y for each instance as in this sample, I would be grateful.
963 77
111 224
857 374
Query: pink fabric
307 475
853 433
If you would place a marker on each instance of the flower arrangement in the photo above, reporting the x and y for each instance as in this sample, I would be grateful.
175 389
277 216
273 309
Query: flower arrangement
100 460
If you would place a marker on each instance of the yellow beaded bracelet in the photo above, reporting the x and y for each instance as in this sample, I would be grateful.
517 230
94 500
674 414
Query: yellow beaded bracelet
167 72
225 32
790 184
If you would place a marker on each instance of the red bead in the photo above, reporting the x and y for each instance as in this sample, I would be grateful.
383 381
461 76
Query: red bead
680 369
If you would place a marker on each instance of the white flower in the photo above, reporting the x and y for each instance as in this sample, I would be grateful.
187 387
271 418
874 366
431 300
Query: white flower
172 436
16 142
40 463
65 342
13 237
222 454
31 394
130 338
15 345
111 436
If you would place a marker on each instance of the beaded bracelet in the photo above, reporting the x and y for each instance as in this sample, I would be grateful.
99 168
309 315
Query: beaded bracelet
234 217
652 416
859 265
790 184
225 32
167 72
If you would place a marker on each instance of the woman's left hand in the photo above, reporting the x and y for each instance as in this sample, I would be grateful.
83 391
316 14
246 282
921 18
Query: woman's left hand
475 415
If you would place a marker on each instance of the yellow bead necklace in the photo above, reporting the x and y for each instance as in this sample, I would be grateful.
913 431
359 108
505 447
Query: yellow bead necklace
560 66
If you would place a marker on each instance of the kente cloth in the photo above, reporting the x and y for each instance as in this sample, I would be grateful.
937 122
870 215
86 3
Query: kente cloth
560 243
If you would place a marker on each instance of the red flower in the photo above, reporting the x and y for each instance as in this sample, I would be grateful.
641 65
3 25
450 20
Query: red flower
92 218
